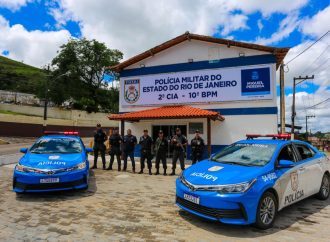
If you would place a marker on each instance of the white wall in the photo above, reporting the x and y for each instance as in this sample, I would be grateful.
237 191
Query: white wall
196 50
234 127
76 117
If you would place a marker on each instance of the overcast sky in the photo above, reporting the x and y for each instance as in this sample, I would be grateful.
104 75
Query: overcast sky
32 31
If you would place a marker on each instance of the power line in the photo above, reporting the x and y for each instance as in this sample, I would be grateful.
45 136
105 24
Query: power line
308 47
324 101
318 67
324 51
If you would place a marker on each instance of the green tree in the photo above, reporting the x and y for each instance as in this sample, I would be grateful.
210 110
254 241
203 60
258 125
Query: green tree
83 64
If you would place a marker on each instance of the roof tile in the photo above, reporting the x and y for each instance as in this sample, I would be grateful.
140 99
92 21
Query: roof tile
168 112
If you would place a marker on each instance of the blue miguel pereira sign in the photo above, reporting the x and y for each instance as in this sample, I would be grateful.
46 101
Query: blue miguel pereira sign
199 86
255 81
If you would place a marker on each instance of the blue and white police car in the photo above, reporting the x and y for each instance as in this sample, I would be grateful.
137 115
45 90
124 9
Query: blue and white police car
249 181
56 161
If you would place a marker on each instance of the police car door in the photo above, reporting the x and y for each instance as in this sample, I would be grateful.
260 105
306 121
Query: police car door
290 185
313 169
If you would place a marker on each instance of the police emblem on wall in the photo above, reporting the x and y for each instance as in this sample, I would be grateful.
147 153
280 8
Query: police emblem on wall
131 90
294 181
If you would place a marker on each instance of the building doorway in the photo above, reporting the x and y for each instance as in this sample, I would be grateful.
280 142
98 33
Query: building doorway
169 132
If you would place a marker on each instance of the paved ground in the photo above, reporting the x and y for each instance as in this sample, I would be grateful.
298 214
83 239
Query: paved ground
130 207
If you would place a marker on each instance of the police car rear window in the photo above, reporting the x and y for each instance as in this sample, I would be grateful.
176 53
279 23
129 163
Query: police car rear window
246 154
56 145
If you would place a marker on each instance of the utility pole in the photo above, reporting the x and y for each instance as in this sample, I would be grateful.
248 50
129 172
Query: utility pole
46 103
282 99
293 115
49 78
308 117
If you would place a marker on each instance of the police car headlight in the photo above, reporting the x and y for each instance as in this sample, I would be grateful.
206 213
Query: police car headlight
233 188
20 168
81 166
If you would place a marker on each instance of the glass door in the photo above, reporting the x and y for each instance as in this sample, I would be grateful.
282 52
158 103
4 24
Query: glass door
169 132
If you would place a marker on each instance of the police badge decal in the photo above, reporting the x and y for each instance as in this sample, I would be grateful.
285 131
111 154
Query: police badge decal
294 181
131 90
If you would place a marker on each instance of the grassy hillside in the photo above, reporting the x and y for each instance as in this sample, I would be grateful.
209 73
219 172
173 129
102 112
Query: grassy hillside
17 76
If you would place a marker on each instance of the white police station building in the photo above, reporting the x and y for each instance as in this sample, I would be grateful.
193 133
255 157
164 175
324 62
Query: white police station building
223 88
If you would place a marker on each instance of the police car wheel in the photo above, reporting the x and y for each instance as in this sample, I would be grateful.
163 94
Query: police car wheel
325 188
267 211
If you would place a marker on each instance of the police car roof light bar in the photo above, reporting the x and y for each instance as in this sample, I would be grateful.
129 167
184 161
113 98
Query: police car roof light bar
274 136
60 132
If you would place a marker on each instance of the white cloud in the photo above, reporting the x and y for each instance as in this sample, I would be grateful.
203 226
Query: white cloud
321 122
315 61
269 7
318 24
134 26
36 48
13 5
260 24
287 26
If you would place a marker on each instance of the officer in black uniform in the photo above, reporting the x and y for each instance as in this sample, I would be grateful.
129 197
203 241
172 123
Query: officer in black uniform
178 143
197 147
145 143
115 141
99 138
161 146
129 142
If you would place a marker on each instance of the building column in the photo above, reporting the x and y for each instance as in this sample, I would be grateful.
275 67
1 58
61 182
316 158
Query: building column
122 127
208 128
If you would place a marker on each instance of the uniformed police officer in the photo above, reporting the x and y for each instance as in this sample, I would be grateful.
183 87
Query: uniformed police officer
145 143
178 143
99 138
115 141
197 147
129 142
161 146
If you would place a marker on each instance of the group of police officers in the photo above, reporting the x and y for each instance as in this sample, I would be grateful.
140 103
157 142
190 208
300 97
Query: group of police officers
124 146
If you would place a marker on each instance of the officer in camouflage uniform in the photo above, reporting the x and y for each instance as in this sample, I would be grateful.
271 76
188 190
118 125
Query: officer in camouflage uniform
197 147
178 142
129 142
161 146
146 144
115 141
99 138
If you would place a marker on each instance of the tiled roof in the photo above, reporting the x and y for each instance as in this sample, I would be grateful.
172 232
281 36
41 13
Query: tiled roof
168 112
279 53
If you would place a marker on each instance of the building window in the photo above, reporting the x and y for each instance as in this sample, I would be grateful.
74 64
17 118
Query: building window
195 126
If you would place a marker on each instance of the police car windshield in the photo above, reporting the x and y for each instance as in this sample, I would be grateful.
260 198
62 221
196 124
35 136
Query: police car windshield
56 145
246 154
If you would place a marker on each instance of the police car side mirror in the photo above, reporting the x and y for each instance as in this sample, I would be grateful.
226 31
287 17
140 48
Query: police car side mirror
285 164
89 150
23 150
212 155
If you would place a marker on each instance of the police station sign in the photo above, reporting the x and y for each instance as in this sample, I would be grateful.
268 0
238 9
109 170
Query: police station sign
211 85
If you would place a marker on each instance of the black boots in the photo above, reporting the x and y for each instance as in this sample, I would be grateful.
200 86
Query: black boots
94 166
157 172
173 173
141 172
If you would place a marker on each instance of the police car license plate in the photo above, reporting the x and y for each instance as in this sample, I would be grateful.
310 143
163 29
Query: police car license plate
50 180
191 198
